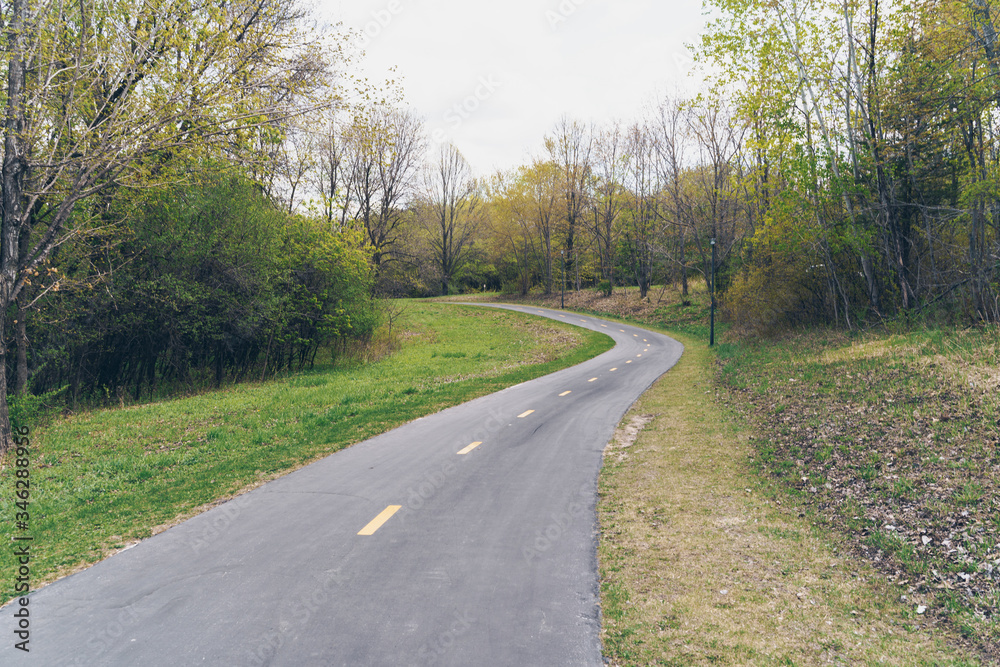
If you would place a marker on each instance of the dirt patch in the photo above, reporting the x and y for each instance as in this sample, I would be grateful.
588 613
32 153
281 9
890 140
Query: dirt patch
626 434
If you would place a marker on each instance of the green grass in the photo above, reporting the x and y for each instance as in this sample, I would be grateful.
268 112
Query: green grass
104 479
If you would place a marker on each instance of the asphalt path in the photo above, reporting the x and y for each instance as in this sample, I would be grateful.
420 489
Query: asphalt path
417 547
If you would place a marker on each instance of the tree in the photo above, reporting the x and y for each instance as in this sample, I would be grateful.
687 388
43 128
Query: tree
608 198
540 183
717 182
384 150
100 94
453 202
640 230
570 148
670 127
512 227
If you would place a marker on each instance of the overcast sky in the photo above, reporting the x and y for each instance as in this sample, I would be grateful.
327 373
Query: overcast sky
494 77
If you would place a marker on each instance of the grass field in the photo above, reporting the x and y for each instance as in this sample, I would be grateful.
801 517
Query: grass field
105 479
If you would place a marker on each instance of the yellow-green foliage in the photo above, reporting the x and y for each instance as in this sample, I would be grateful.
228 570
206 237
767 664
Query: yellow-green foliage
764 297
775 288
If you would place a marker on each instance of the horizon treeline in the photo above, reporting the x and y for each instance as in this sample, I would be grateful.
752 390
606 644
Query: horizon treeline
843 156
845 159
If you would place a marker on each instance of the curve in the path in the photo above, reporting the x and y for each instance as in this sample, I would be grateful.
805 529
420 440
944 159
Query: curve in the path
464 538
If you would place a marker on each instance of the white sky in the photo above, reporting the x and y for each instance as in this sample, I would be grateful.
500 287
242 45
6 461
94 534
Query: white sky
494 77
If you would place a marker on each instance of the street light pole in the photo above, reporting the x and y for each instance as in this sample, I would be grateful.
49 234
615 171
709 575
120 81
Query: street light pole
562 299
711 334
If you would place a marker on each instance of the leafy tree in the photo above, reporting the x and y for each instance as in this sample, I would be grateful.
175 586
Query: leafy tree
100 93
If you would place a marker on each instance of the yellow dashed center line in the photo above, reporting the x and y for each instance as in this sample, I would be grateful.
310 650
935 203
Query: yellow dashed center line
644 340
613 370
622 330
635 335
629 361
377 522
583 320
592 380
638 355
605 326
469 448
566 393
524 414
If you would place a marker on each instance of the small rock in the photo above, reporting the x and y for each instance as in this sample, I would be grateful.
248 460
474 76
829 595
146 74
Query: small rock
921 608
724 591
926 540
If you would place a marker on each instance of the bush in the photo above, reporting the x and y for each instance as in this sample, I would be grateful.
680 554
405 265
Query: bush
210 282
764 298
28 410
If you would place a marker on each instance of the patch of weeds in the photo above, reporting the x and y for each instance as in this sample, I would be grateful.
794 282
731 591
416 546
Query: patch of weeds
971 493
780 533
903 489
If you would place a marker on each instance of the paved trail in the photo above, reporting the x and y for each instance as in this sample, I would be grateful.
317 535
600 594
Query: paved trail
464 538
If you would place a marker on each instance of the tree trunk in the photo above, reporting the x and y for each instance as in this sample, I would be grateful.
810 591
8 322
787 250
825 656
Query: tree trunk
12 203
21 327
21 340
684 273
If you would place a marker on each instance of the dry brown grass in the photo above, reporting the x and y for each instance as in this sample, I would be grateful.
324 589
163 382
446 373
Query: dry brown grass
701 563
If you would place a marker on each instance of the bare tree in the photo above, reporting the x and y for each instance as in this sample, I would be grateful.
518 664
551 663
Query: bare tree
331 175
669 126
570 148
608 197
717 204
453 200
641 220
385 147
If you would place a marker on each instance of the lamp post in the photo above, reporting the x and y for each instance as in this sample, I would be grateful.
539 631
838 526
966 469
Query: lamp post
562 299
711 329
